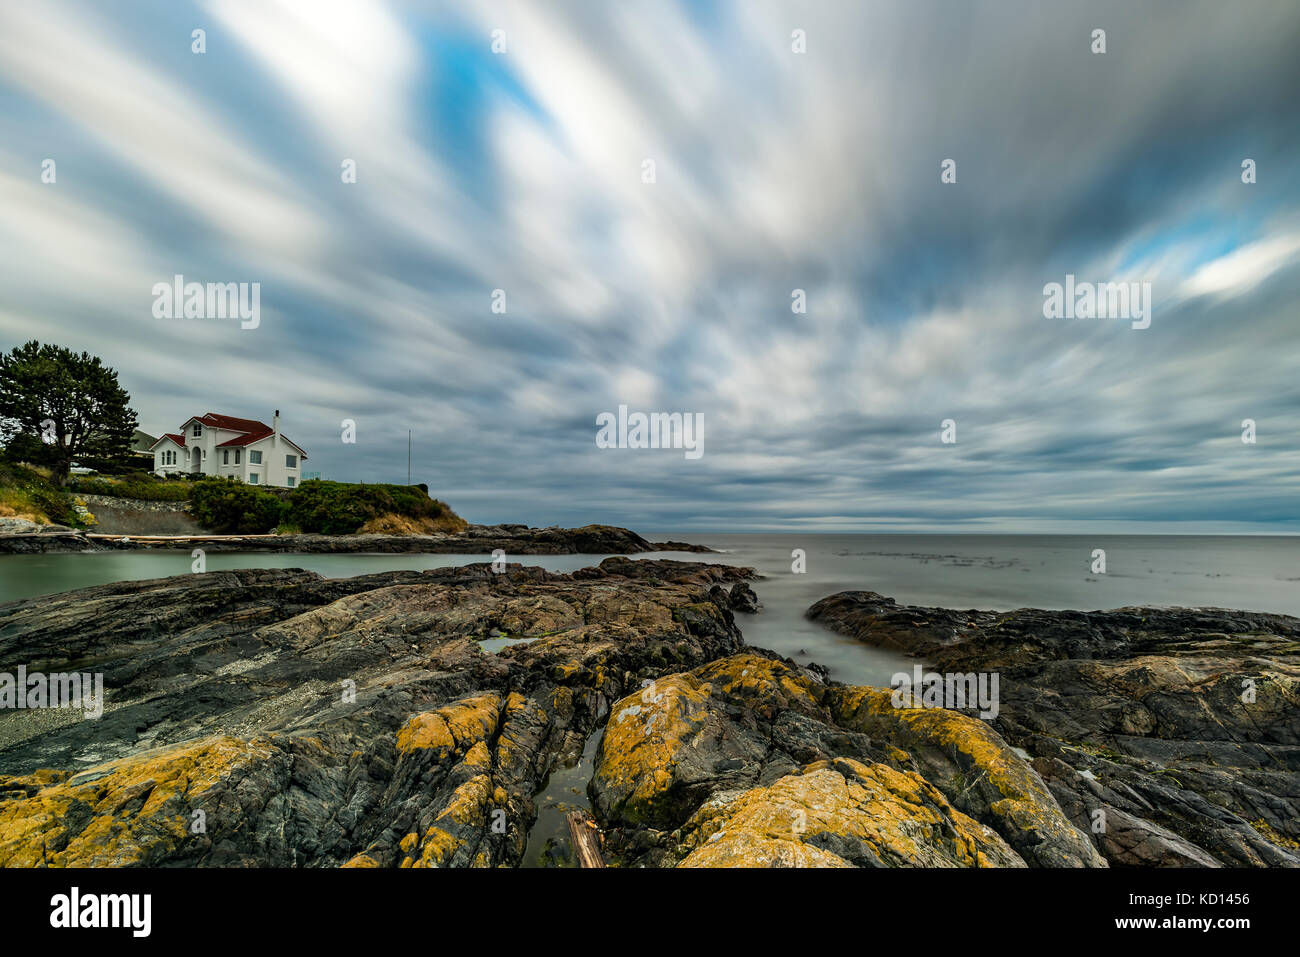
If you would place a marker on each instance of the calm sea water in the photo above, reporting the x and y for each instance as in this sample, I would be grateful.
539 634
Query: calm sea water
998 572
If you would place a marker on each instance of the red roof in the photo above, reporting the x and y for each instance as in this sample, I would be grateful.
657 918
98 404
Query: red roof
254 431
230 422
178 439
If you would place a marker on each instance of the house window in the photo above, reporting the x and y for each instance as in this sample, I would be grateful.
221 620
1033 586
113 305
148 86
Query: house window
291 480
291 461
238 454
197 430
252 478
254 458
225 456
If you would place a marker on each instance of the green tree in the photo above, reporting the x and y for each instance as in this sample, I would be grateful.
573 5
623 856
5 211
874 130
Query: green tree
70 403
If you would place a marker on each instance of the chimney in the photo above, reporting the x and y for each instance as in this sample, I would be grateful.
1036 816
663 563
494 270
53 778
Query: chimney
275 427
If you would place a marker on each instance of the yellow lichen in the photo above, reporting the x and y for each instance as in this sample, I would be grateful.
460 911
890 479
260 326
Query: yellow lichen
887 816
138 808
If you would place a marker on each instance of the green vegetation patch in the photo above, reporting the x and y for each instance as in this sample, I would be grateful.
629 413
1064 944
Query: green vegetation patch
339 508
233 508
142 490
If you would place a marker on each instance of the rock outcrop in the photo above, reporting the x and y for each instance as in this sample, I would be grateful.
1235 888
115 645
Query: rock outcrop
752 761
1171 736
741 598
408 719
274 717
20 536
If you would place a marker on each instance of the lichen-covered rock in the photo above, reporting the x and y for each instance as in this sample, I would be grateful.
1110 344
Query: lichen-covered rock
140 810
274 717
742 724
841 813
1170 735
967 760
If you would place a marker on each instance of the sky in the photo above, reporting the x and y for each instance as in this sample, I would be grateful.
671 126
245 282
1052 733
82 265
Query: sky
506 148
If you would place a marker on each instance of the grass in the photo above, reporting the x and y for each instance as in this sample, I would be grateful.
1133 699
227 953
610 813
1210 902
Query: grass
394 524
15 503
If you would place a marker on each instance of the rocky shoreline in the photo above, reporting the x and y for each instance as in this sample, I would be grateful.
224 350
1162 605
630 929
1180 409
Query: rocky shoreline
412 718
28 538
1171 735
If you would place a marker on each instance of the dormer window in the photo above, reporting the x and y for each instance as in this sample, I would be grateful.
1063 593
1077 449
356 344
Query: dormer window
197 430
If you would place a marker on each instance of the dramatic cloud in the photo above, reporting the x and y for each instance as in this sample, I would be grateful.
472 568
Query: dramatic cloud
525 171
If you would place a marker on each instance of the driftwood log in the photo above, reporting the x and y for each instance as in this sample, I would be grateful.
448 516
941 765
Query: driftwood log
585 838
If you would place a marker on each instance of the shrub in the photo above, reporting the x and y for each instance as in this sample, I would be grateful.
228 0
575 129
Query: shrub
55 505
146 491
228 506
339 508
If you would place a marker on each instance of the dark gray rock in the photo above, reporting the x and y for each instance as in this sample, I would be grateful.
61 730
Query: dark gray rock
1185 718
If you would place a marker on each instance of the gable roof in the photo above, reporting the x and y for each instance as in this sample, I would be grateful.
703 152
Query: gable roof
231 423
178 439
240 441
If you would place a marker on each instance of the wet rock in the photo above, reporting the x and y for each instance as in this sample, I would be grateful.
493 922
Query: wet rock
742 598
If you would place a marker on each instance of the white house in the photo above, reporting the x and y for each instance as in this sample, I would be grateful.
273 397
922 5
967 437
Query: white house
223 445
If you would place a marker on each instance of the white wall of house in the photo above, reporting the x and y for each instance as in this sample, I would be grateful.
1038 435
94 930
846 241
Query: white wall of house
167 464
272 460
